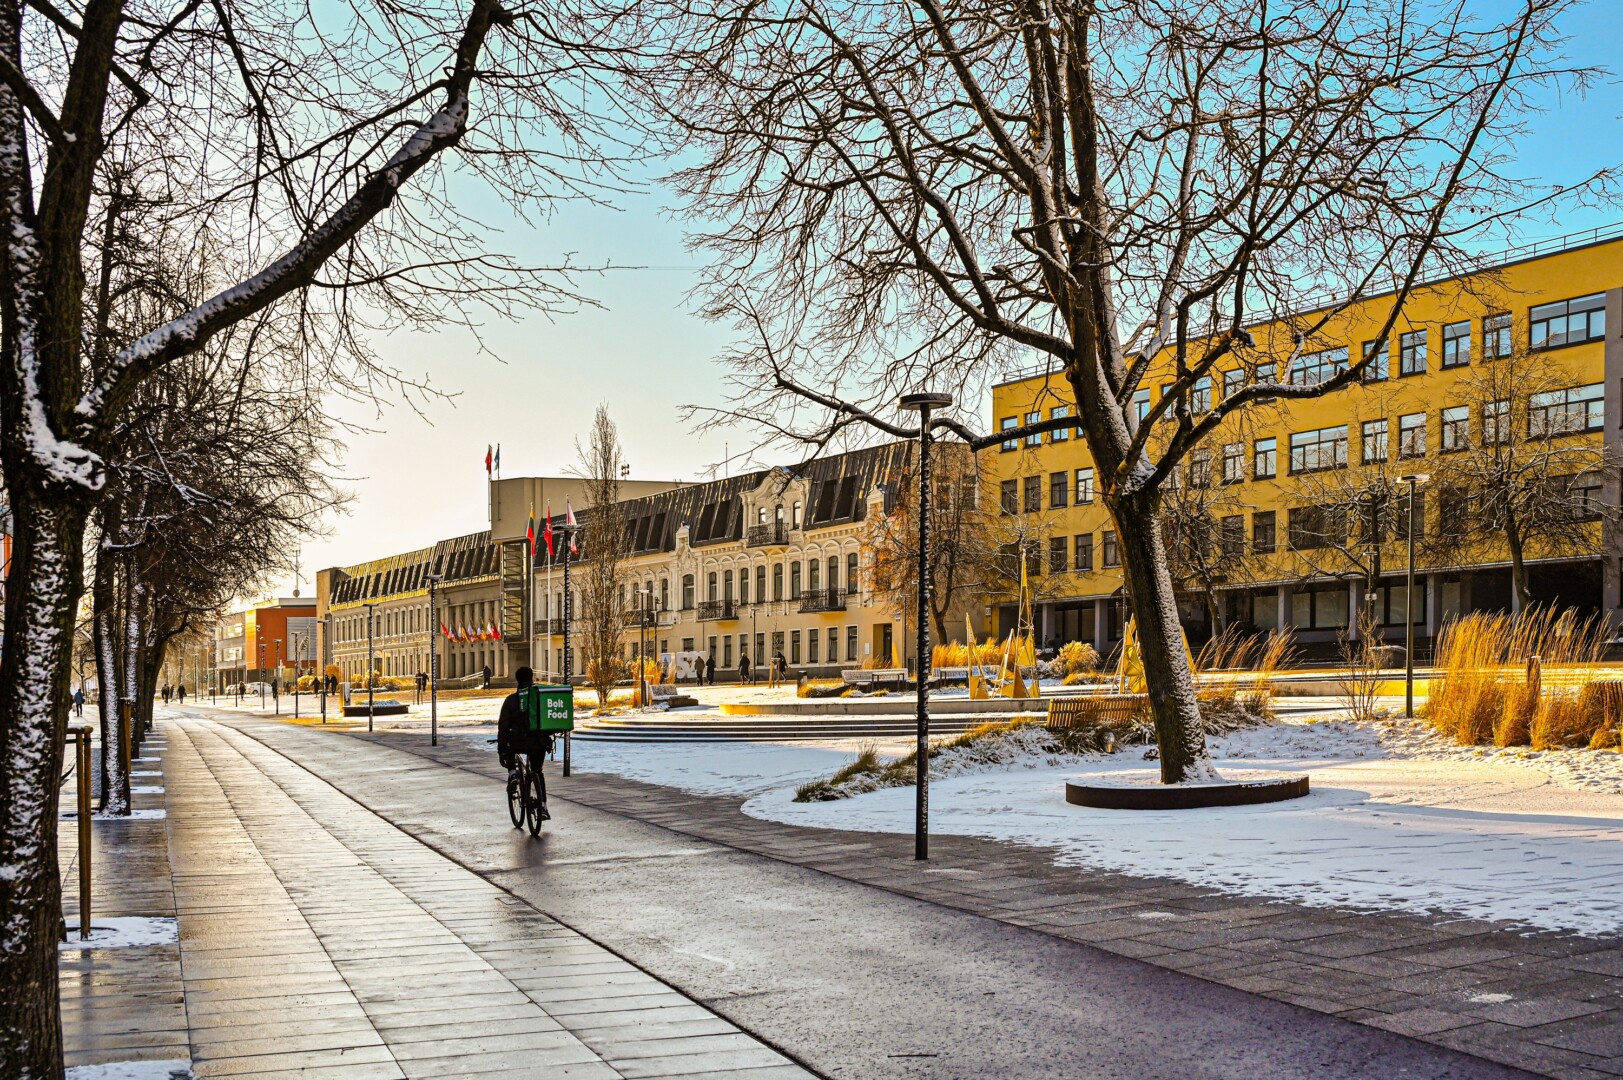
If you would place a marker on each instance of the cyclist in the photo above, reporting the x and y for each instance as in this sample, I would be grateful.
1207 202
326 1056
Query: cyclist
513 737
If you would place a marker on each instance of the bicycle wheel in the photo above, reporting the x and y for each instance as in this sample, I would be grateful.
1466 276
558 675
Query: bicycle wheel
515 799
533 800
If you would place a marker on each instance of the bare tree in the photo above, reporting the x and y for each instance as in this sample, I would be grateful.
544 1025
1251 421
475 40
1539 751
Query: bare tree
292 130
605 546
1107 188
963 549
1203 520
1524 468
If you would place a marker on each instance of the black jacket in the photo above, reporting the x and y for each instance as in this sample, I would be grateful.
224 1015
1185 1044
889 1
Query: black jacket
513 736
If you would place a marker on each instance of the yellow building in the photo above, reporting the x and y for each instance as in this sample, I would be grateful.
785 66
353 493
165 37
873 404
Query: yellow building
1521 355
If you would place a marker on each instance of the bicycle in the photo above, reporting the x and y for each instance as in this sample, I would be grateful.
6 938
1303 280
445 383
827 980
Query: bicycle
527 800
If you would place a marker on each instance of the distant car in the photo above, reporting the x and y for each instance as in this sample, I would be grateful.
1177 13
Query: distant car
256 687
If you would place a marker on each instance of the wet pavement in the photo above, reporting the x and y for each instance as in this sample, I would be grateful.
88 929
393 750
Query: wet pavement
316 939
838 949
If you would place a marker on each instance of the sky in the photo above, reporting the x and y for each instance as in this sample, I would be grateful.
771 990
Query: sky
417 476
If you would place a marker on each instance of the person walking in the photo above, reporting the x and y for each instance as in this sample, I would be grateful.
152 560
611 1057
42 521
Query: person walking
744 667
710 669
485 671
180 691
79 700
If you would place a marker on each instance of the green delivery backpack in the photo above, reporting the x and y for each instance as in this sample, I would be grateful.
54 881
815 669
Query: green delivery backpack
547 709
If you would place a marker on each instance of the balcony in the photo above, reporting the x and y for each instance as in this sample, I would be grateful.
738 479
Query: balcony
714 610
775 534
647 618
823 600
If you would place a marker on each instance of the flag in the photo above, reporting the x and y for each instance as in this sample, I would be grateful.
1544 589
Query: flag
461 632
569 521
498 459
488 452
495 632
548 531
529 530
445 631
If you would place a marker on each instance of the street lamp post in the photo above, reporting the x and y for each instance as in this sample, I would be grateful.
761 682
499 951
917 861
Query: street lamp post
261 674
645 604
370 661
434 659
293 644
1414 480
923 404
569 613
276 684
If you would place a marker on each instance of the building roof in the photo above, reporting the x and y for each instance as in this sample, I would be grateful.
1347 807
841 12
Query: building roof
459 559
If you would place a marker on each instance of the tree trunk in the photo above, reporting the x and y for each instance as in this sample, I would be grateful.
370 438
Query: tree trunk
1521 590
1171 684
115 786
134 636
46 579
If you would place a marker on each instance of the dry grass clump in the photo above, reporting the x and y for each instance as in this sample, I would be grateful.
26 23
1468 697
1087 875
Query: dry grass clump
1234 677
1076 658
1522 679
957 654
819 688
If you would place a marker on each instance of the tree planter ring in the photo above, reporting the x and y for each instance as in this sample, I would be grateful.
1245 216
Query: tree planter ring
381 708
1184 796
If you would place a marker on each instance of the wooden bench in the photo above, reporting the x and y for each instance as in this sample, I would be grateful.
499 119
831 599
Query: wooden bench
669 695
1093 710
873 676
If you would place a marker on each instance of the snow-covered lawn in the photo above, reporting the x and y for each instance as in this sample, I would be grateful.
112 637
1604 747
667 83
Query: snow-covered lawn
1398 819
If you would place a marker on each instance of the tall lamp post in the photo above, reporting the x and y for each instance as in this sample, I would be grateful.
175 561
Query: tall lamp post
1414 480
276 679
261 674
434 659
923 404
293 649
369 664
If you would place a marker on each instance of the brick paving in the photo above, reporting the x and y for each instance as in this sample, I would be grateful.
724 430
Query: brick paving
1547 1002
316 939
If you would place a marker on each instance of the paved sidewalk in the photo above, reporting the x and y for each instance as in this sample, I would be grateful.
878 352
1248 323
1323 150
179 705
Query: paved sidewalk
1545 1002
317 940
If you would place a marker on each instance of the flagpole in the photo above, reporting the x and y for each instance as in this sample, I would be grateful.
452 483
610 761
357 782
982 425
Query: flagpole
549 615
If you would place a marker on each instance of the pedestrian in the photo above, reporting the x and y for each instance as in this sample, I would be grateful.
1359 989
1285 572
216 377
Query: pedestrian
422 681
743 667
181 691
485 671
79 700
782 665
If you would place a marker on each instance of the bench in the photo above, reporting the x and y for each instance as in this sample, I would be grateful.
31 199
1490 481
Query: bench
873 676
669 696
1097 710
949 674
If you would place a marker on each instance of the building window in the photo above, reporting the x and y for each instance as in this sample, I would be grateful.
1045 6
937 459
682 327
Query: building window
1456 344
777 581
1412 435
1110 555
1084 487
1233 382
834 644
1059 559
710 587
1059 412
1313 451
1263 462
1316 527
1233 463
1412 353
1009 502
833 571
851 643
794 580
1495 423
727 651
1084 552
1200 467
1564 412
812 638
1567 322
1035 439
1496 344
1141 405
1375 357
1200 398
1313 368
1373 441
1231 536
743 586
1059 490
1033 494
1262 532
1267 373
1009 423
1584 495
760 584
687 592
1320 607
794 522
1456 429
1401 532
794 646
851 582
814 575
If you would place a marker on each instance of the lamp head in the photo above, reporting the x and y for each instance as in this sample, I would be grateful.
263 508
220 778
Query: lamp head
1414 478
921 402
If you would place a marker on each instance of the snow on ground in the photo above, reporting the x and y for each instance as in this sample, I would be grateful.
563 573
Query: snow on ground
178 1069
123 932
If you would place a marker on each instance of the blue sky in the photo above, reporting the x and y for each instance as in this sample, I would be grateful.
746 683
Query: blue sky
420 478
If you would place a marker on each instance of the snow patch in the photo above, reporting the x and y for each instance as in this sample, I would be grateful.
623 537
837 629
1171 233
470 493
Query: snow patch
124 932
134 815
176 1069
